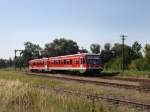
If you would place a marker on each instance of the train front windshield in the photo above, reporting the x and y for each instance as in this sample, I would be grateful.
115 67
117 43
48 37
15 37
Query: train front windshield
93 59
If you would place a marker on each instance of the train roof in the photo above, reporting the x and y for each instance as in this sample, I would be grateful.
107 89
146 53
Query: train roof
80 54
39 59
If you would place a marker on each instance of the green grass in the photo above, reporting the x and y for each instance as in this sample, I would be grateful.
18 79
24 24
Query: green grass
58 84
32 80
16 96
136 73
130 73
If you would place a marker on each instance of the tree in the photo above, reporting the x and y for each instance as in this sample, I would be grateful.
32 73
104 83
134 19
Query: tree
107 54
95 48
147 52
117 48
83 50
4 63
136 48
107 47
61 46
31 51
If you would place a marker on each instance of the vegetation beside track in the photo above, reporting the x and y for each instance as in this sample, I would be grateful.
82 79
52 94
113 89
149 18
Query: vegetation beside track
127 73
18 95
112 92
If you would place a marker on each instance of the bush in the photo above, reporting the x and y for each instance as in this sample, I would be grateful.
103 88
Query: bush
114 64
139 64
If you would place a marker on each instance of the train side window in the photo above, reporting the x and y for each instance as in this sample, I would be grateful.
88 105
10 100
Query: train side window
59 61
42 62
64 62
67 62
71 61
52 62
77 61
56 62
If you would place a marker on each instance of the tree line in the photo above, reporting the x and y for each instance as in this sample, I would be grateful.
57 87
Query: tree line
136 57
5 63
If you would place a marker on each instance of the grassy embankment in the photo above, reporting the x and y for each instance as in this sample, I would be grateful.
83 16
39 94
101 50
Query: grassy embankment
129 73
17 95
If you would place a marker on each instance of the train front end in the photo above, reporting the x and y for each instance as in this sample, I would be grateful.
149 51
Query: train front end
94 63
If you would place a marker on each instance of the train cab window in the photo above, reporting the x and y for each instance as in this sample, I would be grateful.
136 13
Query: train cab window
77 61
71 61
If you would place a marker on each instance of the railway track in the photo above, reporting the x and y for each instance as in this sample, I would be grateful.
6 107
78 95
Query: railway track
127 79
95 98
95 82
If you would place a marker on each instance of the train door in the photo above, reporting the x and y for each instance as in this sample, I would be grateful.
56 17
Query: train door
81 63
45 64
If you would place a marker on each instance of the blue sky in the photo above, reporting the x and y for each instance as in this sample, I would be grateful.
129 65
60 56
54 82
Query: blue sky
85 21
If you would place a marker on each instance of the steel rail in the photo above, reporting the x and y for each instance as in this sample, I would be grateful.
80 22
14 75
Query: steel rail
126 79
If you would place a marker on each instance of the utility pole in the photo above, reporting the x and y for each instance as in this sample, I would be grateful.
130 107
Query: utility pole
123 56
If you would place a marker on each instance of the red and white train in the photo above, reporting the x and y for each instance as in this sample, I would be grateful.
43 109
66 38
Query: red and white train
83 62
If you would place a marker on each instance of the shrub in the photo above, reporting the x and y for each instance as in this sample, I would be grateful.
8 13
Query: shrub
114 64
139 64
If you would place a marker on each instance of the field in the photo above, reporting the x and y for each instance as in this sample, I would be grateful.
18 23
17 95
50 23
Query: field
18 94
